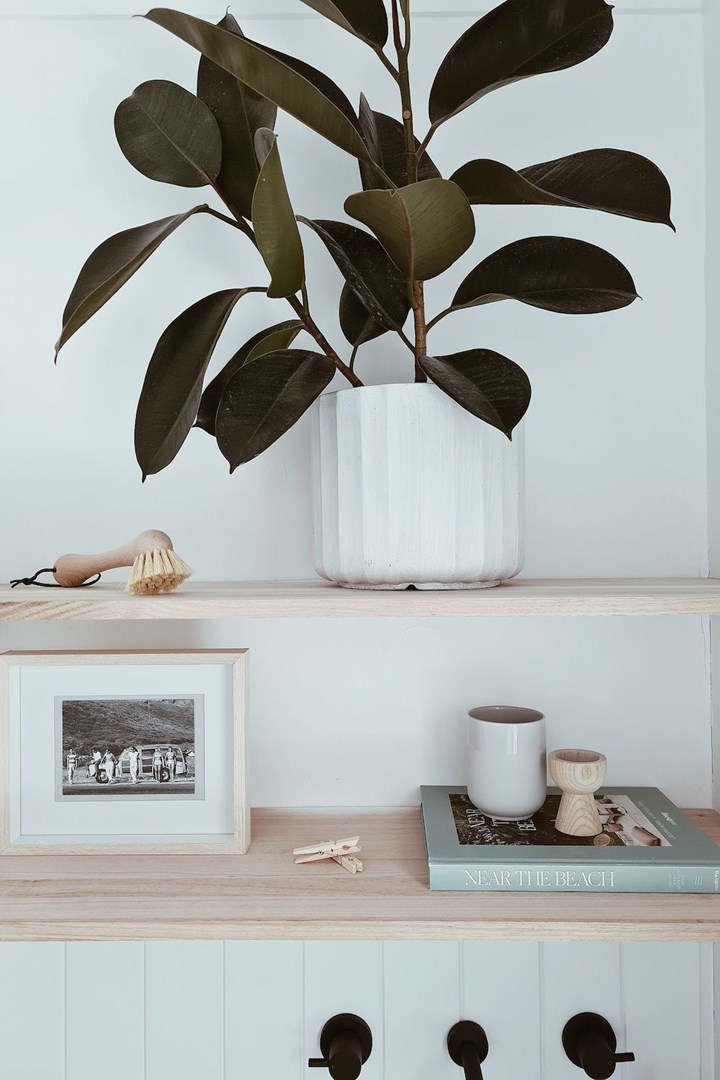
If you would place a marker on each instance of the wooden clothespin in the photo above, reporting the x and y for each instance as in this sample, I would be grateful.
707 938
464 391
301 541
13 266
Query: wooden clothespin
340 851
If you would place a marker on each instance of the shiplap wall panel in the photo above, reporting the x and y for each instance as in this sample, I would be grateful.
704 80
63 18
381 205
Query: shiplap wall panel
661 993
105 1010
255 1009
32 1011
344 976
422 1000
263 997
503 1001
577 977
184 1011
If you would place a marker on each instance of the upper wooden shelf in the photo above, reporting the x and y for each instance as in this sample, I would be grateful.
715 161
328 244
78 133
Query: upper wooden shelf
318 599
264 895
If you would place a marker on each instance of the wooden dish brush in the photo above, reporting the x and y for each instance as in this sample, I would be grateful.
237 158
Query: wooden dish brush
156 568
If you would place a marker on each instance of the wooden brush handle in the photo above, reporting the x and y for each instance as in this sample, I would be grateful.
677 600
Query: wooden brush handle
73 570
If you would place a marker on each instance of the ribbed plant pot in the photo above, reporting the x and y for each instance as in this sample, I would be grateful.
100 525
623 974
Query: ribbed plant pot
410 489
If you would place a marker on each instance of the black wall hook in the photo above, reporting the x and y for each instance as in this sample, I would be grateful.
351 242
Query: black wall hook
590 1042
468 1047
345 1045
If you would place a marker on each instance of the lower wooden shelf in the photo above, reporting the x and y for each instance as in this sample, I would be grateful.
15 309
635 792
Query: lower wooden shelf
264 895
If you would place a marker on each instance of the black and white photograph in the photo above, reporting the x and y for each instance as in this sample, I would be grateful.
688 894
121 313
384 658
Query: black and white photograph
141 747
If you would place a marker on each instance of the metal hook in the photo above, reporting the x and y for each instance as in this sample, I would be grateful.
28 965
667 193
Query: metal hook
590 1043
468 1047
345 1045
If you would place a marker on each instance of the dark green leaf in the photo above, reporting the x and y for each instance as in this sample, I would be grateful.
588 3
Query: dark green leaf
319 80
551 272
385 138
356 322
111 265
273 338
239 112
424 227
366 19
485 383
367 269
273 218
171 391
169 135
265 398
616 181
267 75
518 39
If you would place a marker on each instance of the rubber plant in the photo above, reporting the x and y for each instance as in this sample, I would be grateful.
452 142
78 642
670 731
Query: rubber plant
409 222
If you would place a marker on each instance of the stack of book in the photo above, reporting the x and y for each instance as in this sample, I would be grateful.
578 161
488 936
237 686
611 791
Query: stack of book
646 845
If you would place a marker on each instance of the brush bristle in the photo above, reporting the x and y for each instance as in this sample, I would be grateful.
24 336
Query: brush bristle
157 571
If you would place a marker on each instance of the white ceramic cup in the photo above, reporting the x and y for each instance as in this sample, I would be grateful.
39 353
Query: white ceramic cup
507 764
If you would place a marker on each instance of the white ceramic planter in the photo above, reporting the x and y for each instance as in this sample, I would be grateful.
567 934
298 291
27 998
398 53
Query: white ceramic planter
410 489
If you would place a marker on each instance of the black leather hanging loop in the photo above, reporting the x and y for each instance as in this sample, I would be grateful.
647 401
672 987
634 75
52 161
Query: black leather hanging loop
49 584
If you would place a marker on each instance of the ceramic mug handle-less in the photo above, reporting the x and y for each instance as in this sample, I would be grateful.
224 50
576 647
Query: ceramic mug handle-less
506 764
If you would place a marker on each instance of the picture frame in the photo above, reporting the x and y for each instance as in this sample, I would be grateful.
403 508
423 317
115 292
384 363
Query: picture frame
123 752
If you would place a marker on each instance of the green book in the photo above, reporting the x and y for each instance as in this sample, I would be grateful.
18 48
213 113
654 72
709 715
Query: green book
647 845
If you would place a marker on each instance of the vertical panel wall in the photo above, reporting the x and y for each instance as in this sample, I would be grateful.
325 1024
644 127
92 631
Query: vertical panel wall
226 1011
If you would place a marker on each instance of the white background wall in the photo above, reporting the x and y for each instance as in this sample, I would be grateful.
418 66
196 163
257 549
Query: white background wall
616 438
344 712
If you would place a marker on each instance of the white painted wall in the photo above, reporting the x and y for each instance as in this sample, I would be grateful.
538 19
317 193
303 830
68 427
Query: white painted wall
363 712
183 1010
616 432
616 435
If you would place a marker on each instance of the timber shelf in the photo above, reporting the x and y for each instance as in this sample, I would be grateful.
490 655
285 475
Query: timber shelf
318 599
264 895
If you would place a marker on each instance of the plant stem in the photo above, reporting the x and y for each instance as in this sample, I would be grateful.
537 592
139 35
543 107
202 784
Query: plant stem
301 309
235 222
387 63
411 156
420 329
314 330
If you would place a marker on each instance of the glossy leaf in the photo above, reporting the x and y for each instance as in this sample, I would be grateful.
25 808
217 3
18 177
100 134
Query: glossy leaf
267 75
367 269
171 391
366 19
265 398
239 112
518 39
616 181
485 383
385 138
169 135
273 218
112 264
356 322
319 80
424 227
273 338
551 272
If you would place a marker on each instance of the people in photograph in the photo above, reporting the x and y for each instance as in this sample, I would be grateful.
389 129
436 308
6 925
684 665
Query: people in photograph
171 762
71 765
157 763
134 759
108 764
94 764
190 758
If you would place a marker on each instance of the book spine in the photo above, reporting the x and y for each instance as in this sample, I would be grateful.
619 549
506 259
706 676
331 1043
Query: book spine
574 877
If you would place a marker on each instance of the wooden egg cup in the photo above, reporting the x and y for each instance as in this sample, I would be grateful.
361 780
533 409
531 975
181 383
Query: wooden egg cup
578 774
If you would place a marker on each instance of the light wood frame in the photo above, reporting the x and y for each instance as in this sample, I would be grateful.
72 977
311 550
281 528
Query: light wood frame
236 659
